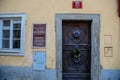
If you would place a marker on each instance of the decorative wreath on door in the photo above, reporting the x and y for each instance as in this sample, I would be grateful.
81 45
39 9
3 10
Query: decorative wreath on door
76 55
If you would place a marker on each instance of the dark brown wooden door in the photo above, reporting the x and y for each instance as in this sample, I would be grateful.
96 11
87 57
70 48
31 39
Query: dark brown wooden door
76 50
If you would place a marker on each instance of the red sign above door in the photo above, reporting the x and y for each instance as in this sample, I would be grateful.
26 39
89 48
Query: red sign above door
77 4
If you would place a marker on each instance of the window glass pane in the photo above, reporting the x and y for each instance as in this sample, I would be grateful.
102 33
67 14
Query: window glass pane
16 43
6 33
6 23
5 44
16 34
17 26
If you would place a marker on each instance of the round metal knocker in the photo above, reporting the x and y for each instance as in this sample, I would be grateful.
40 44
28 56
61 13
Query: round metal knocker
76 34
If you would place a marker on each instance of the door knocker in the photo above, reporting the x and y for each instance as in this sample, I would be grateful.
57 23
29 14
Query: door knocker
76 55
76 34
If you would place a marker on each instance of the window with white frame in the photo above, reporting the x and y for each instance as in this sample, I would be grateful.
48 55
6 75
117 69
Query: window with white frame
12 32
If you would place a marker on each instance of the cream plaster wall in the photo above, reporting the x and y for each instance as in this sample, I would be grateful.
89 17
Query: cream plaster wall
43 11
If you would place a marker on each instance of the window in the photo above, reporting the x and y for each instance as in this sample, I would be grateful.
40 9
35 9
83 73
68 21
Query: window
12 32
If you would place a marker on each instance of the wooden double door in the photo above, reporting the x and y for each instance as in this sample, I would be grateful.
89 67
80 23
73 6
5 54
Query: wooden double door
76 50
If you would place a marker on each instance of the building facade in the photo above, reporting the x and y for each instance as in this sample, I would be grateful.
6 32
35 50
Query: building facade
59 40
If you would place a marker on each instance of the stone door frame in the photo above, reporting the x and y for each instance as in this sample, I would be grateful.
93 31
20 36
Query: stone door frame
95 41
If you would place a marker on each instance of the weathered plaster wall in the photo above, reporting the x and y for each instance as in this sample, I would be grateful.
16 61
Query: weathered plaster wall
43 11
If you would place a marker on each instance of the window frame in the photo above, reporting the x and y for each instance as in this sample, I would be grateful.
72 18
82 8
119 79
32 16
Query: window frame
13 52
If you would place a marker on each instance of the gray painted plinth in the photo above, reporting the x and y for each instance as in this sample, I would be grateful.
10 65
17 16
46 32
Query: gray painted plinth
25 73
110 74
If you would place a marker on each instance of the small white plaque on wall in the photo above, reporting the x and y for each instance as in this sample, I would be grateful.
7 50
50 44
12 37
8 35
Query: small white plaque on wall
107 39
39 60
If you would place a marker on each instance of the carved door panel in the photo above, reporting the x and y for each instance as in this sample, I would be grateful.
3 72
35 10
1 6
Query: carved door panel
76 50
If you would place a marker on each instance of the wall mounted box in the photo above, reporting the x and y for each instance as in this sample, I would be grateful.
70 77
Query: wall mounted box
108 51
39 60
